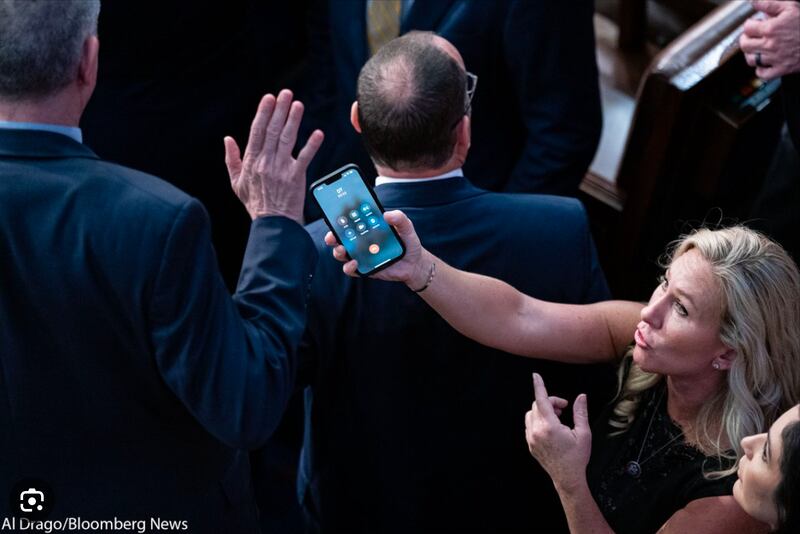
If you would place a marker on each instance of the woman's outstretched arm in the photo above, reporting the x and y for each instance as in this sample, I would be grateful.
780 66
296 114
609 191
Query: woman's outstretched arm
495 314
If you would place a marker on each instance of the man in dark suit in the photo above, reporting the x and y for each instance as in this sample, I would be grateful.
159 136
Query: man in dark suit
537 116
410 426
131 380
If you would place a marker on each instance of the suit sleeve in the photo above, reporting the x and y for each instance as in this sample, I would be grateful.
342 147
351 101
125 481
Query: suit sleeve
326 303
550 53
231 361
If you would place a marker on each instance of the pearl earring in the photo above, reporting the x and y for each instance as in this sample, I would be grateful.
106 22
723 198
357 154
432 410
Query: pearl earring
715 365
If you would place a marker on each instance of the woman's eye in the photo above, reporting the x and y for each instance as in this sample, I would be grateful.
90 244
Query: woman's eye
681 309
663 281
764 452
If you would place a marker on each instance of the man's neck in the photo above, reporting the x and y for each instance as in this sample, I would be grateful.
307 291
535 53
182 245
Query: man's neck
55 109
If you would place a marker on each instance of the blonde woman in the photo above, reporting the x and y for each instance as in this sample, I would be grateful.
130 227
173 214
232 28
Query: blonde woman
715 358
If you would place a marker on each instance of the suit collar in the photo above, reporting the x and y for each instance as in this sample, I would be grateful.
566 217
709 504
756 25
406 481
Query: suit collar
425 194
40 144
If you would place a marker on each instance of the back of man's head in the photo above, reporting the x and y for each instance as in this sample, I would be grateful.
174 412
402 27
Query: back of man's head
41 43
411 95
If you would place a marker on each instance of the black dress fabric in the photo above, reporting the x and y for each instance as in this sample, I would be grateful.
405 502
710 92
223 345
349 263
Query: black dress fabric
671 472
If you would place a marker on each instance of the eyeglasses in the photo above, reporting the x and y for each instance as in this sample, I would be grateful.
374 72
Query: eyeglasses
472 83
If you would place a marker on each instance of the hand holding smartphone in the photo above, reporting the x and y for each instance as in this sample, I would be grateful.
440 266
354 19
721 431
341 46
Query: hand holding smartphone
355 217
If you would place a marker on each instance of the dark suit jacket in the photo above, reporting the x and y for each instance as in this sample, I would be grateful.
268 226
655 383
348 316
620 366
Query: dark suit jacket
536 113
411 427
791 99
130 378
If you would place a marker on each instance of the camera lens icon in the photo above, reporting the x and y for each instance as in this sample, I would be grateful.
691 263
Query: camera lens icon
31 500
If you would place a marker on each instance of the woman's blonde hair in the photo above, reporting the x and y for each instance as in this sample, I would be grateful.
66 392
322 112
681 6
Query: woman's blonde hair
760 320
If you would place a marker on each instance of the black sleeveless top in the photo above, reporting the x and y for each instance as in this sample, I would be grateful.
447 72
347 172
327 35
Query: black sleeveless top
670 471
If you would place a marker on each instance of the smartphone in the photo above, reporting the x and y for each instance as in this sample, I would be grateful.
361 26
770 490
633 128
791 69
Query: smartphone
355 217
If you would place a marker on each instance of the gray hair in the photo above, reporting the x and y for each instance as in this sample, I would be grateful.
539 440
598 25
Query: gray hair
41 44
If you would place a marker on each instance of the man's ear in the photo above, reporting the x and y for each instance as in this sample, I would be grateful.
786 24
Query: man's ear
87 68
354 116
463 139
465 132
725 360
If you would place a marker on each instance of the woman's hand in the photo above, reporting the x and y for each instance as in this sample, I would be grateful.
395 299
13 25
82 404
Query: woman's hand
562 451
413 269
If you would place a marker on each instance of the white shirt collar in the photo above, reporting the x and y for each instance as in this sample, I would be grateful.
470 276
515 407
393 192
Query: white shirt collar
380 180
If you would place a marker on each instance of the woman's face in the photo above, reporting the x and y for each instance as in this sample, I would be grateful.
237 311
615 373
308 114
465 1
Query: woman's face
759 470
679 331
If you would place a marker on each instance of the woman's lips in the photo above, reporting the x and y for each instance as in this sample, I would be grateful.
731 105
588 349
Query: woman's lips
640 341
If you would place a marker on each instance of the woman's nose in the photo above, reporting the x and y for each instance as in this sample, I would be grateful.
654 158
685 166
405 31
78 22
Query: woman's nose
651 314
748 445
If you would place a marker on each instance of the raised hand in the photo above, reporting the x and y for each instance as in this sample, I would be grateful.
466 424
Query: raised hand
268 180
562 451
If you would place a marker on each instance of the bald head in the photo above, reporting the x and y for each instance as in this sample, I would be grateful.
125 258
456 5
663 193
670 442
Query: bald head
448 48
411 95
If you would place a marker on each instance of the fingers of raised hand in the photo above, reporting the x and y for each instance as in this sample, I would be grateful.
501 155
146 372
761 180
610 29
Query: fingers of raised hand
277 122
258 130
233 160
288 136
310 149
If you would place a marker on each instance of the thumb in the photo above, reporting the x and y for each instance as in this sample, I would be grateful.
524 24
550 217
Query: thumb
770 7
403 225
580 415
233 158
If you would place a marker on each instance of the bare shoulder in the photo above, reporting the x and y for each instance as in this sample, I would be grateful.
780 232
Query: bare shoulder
713 515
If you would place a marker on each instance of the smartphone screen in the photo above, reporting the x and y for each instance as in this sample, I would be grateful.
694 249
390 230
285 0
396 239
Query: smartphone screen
356 218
